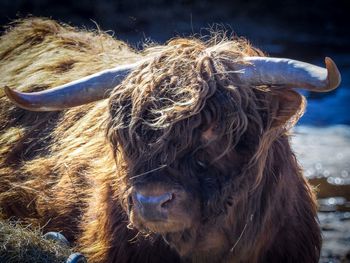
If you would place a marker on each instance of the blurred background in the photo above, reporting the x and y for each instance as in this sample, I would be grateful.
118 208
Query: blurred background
304 30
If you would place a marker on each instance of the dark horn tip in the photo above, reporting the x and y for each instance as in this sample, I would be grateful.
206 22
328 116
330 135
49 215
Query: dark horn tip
11 94
16 98
334 77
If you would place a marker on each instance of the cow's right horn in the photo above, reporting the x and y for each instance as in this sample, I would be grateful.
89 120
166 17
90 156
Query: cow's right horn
289 72
85 90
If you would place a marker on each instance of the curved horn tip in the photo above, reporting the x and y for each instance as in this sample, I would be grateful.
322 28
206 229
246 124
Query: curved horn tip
11 94
16 98
334 77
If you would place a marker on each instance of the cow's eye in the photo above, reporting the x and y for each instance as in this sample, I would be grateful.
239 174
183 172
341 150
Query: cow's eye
201 164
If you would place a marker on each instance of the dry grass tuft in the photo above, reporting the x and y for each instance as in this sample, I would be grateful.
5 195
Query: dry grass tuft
25 245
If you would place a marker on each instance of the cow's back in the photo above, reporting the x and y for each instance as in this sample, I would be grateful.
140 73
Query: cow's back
48 160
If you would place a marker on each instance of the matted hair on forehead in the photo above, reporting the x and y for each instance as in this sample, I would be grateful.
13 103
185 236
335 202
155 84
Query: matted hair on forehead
174 87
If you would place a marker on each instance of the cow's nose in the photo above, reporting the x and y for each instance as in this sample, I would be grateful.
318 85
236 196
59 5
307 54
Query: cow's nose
153 207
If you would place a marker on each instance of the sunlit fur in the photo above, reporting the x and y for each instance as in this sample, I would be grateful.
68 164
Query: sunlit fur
70 171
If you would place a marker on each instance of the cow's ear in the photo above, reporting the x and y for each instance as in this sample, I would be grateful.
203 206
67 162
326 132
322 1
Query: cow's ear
289 107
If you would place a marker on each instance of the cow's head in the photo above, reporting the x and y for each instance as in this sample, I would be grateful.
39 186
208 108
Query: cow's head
188 122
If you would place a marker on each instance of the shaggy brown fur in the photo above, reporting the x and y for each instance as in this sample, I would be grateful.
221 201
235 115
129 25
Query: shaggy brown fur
182 114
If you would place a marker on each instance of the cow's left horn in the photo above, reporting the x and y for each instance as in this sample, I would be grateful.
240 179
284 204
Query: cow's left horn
288 72
88 89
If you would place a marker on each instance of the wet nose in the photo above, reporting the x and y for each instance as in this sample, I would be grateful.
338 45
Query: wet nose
154 207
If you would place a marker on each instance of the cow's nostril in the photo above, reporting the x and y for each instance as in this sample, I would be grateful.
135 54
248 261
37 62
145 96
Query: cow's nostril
167 202
130 201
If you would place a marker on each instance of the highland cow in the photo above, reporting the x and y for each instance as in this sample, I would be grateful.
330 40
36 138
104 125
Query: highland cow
176 153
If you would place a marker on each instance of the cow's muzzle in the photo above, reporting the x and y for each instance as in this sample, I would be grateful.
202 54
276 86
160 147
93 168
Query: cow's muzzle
161 209
154 207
